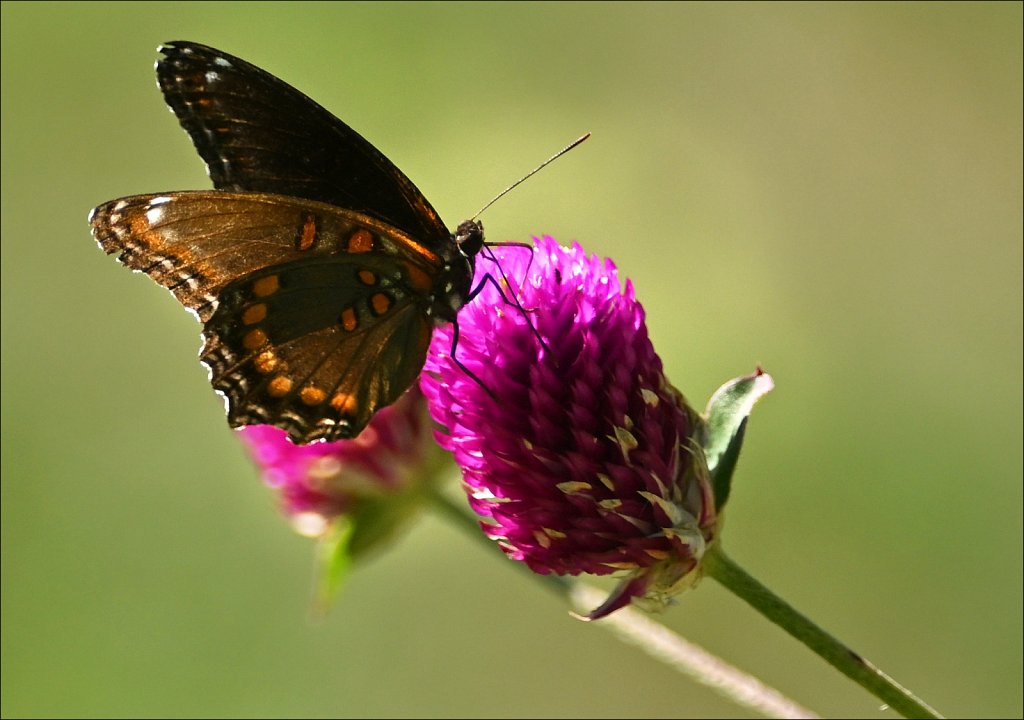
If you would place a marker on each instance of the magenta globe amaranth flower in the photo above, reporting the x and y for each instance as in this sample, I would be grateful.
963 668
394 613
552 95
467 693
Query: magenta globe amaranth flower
316 483
575 449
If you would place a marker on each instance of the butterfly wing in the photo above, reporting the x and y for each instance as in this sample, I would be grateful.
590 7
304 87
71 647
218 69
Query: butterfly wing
315 316
256 132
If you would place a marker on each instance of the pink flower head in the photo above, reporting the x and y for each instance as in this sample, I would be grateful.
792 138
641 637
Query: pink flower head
316 483
574 448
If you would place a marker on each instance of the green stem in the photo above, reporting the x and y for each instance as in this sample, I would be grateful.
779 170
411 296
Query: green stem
630 626
719 566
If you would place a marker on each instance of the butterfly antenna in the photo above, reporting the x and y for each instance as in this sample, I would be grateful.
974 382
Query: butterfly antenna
530 174
491 279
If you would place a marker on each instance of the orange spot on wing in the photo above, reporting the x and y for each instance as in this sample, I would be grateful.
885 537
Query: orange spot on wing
265 363
380 302
308 236
349 320
344 403
312 395
418 279
279 386
254 339
254 314
361 241
266 286
367 277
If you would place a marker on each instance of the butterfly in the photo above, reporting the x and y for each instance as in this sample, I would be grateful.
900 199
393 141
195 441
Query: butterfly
317 268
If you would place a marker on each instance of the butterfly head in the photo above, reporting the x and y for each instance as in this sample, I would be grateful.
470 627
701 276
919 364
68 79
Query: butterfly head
469 237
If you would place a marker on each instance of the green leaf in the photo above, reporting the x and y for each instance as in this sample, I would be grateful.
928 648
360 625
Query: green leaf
369 525
725 424
334 561
377 522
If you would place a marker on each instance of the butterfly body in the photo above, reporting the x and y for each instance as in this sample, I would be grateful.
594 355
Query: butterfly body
316 266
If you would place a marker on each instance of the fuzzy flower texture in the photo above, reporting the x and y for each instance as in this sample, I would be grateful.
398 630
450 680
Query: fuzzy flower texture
574 448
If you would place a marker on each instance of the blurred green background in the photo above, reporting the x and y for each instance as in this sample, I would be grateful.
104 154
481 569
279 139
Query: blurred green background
833 191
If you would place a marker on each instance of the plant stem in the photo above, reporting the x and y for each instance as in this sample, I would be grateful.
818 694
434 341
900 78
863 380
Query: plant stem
719 566
656 640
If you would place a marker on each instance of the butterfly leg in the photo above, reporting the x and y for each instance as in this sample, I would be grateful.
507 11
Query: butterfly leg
526 273
514 303
458 363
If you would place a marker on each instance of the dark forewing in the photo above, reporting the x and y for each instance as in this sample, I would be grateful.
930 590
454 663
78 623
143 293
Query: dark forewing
256 132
